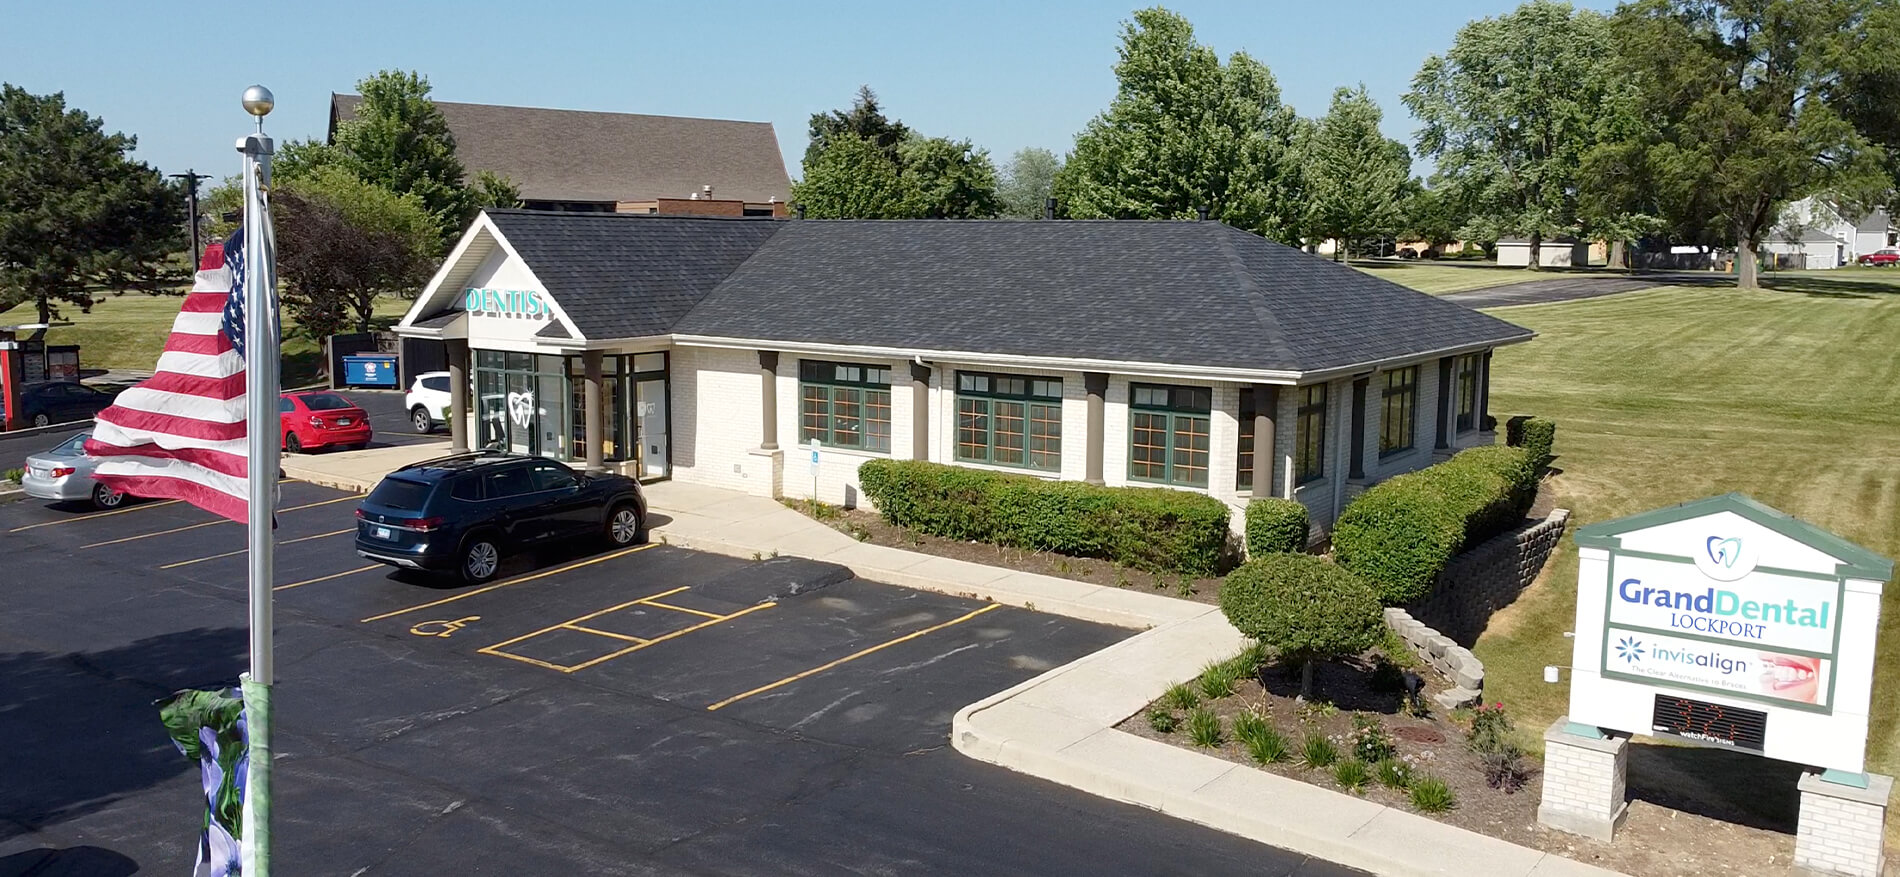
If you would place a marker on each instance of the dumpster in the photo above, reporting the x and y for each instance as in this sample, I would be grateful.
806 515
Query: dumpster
370 370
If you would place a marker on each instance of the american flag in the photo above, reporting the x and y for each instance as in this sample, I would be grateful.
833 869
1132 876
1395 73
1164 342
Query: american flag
181 433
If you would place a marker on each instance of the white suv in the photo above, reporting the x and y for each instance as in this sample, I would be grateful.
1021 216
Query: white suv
427 400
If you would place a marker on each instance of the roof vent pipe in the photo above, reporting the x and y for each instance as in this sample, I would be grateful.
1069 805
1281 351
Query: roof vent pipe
1202 211
801 210
1048 208
705 193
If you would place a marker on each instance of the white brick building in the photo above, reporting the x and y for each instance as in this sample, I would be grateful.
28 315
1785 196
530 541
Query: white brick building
1122 353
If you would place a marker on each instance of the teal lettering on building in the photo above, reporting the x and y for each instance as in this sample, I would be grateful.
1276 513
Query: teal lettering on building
522 303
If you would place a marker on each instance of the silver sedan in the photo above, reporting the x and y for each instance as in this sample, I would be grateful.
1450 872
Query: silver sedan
65 473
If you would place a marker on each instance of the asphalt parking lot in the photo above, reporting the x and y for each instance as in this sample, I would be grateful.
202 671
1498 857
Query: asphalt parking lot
642 711
389 424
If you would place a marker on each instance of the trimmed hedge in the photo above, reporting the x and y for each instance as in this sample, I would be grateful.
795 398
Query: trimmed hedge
1275 526
1149 528
1304 607
1399 535
1536 436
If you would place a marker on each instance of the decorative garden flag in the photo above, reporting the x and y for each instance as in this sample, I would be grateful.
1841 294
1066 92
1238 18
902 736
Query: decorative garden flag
209 728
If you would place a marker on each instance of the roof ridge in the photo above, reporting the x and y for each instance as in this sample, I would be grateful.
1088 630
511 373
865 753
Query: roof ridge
1269 324
459 103
580 214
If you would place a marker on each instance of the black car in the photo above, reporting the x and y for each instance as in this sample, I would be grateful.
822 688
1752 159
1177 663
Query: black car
463 513
44 403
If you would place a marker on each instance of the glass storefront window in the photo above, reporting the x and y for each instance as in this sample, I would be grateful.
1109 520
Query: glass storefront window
534 404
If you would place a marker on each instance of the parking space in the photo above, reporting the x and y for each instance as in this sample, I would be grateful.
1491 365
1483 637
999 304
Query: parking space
631 711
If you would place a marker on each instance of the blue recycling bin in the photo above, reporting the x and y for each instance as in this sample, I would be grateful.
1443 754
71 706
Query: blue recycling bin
370 370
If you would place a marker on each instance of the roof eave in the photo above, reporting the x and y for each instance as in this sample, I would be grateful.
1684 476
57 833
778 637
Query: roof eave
1120 367
1373 365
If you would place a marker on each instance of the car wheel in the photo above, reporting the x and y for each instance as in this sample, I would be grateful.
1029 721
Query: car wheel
41 419
420 419
293 444
625 526
105 498
481 559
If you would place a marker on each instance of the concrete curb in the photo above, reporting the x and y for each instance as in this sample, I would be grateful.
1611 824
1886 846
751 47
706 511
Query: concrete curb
1060 727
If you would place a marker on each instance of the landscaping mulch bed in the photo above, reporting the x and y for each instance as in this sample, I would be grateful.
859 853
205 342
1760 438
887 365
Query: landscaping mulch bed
1656 841
867 527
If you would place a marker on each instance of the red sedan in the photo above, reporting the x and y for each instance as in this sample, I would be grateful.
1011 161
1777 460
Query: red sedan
321 420
1883 258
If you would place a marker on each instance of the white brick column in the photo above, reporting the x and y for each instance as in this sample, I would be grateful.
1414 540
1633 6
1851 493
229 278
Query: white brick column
1842 827
1584 782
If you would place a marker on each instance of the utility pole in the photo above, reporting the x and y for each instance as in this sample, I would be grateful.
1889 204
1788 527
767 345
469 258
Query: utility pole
191 178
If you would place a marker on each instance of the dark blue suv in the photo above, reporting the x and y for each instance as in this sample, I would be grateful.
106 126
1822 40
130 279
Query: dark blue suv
463 513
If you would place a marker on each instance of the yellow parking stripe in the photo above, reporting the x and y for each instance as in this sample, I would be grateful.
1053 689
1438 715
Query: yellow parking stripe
242 550
511 582
589 616
215 523
350 572
659 639
852 657
138 507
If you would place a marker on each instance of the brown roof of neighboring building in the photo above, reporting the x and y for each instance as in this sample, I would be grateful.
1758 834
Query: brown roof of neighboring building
574 155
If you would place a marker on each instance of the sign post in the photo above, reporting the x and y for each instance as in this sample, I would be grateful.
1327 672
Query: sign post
1723 623
813 445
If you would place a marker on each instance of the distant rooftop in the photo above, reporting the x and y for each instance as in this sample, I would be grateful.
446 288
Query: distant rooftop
574 155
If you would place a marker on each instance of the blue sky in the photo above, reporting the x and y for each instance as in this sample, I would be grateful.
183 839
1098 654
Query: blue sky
1005 75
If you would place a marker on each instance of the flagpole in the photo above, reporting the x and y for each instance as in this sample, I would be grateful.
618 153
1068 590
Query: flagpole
261 352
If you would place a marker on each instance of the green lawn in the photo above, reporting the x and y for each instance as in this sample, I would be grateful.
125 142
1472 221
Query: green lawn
1439 278
128 331
1791 396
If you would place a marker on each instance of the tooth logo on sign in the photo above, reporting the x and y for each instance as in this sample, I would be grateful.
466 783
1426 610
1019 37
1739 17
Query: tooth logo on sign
1724 552
1725 558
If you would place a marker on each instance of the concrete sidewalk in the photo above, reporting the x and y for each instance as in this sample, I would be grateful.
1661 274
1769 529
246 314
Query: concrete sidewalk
1060 726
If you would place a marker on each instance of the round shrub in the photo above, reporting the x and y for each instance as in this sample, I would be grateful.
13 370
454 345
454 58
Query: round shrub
1275 526
1303 607
1397 537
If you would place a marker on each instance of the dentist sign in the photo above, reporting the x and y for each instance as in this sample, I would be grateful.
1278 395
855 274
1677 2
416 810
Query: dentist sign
1728 623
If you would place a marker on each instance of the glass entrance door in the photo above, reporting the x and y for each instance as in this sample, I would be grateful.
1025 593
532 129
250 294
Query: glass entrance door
650 415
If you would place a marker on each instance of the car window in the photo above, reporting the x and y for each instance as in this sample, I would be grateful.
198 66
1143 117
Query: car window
400 493
512 481
325 402
466 489
551 476
72 447
439 384
284 405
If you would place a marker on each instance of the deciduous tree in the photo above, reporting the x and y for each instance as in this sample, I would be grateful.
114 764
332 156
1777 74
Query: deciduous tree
1027 180
1355 175
77 213
1508 113
1184 132
851 178
1747 98
342 242
947 179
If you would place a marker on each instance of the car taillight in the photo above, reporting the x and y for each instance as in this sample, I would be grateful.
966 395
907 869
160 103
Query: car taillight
63 471
360 516
426 525
316 421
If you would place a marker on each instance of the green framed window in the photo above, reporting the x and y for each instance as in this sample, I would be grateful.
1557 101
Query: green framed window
1309 447
1398 420
1009 420
1168 434
1467 392
845 405
1243 477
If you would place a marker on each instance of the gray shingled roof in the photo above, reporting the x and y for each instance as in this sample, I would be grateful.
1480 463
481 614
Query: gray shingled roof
1186 293
572 155
627 275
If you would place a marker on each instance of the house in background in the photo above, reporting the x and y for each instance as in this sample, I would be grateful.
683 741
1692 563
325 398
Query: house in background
1815 233
1186 355
577 161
